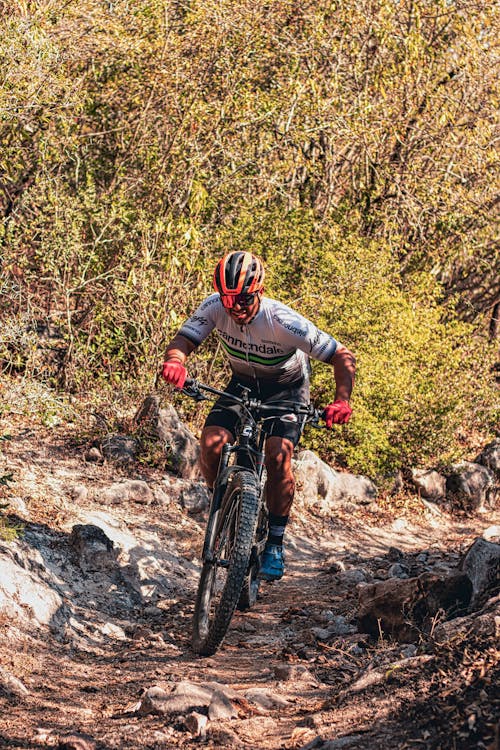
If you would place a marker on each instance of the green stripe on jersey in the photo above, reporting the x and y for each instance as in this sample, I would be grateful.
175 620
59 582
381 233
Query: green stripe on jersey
250 357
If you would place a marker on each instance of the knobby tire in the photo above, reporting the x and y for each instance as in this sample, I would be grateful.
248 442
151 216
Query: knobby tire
231 548
251 584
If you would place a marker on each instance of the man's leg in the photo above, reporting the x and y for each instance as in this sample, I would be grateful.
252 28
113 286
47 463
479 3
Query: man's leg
279 496
212 439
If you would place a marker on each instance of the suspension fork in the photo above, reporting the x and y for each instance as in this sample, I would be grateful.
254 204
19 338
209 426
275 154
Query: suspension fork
216 500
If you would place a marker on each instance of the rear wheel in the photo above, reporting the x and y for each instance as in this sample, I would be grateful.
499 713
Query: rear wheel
250 589
227 564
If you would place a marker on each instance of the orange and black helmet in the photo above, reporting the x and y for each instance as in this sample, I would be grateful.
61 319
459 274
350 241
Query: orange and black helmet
238 273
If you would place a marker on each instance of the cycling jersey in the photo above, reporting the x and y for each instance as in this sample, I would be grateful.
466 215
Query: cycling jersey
276 345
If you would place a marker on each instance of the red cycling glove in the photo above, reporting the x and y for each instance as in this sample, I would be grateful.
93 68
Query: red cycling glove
174 373
337 413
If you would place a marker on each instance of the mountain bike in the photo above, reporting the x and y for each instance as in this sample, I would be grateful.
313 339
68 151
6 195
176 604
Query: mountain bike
237 525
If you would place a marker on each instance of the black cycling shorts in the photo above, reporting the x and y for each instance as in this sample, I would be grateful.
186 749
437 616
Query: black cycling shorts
226 414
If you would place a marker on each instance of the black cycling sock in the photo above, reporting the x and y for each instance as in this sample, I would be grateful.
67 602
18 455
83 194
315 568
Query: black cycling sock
276 529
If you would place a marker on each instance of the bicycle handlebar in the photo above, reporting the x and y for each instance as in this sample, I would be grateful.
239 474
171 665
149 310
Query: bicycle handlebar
193 388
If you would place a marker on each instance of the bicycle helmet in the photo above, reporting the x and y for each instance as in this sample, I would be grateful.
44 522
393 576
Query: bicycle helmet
238 273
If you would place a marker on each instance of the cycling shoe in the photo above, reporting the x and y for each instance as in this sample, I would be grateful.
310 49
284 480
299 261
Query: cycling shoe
273 563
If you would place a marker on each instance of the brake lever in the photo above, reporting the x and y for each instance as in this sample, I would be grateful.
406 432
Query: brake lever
193 392
314 421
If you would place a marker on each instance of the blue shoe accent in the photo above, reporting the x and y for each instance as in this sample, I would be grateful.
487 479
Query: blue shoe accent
273 563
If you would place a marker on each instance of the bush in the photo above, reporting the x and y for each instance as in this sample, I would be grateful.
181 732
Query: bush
354 157
421 385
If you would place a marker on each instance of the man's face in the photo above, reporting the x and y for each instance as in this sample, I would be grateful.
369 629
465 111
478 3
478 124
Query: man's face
241 307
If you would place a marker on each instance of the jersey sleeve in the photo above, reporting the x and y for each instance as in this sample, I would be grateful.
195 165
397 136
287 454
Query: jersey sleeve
298 331
197 327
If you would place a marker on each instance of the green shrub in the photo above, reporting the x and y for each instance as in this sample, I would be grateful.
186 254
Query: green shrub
424 378
8 530
356 159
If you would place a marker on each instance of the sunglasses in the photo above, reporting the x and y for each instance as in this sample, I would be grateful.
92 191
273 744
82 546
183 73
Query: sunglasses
243 300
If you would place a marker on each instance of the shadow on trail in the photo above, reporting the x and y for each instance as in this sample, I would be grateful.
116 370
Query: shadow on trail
21 744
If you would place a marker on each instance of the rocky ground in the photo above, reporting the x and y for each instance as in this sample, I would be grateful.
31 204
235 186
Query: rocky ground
97 599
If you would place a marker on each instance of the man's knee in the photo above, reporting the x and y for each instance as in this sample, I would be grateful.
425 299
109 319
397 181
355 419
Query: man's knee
212 440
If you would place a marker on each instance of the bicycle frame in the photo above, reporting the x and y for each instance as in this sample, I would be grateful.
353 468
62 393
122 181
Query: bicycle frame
248 445
247 450
237 527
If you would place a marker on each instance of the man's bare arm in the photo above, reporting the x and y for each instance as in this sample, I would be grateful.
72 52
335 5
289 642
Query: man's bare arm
179 349
344 366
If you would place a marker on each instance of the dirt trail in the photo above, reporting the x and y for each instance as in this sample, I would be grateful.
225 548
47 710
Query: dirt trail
93 688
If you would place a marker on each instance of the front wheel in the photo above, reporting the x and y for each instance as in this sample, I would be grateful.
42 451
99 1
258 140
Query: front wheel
223 573
250 590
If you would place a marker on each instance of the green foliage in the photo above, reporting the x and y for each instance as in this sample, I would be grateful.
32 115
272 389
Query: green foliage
8 530
424 378
351 145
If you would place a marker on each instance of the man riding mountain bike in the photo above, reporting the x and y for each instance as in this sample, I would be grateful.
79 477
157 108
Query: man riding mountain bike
268 346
